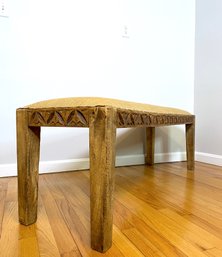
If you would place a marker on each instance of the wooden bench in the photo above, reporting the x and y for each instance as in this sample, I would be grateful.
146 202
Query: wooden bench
102 116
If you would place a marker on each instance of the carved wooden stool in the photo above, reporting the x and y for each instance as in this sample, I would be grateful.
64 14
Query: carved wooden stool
102 116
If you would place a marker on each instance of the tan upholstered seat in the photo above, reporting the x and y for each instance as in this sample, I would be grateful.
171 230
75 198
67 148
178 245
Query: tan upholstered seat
102 116
102 102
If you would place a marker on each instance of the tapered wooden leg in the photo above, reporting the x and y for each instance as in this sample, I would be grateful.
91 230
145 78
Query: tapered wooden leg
190 145
150 145
102 165
28 143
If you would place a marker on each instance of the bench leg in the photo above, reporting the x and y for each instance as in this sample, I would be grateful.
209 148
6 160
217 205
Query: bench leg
102 166
150 145
28 143
190 145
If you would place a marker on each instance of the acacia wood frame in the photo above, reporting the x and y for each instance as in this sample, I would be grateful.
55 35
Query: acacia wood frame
102 122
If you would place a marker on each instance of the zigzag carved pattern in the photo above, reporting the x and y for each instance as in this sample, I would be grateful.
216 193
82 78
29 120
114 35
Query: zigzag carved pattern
80 118
63 118
126 119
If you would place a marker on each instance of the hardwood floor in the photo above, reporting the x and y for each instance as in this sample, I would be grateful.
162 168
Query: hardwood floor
158 211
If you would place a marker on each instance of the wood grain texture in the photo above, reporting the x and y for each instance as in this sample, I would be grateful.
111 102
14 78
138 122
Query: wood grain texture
9 240
190 145
102 165
28 146
28 242
65 244
160 210
3 193
150 145
44 232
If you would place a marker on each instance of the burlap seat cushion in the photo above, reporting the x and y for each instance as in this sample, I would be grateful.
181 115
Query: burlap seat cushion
98 101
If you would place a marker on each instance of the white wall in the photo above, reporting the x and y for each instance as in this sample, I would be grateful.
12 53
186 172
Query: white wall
208 80
135 50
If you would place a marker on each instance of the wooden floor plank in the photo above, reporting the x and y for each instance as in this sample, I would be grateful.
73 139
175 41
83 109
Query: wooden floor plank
201 175
12 190
141 242
204 193
213 227
175 186
214 252
28 243
9 242
65 244
78 203
29 247
46 240
196 234
126 247
3 193
177 196
158 242
159 223
159 211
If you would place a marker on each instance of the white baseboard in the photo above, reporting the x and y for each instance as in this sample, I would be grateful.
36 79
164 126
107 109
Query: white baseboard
7 170
209 158
170 157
